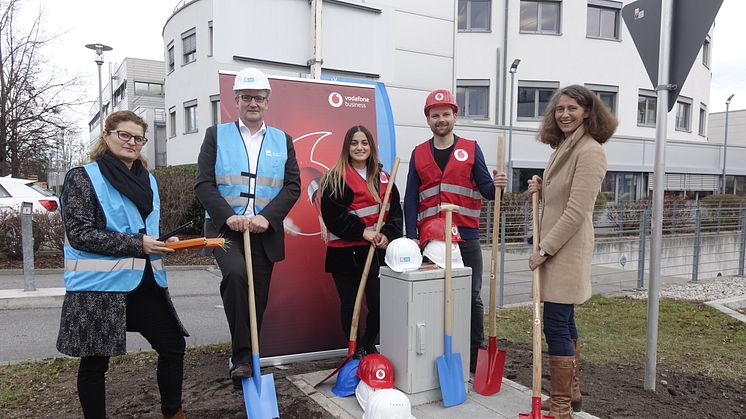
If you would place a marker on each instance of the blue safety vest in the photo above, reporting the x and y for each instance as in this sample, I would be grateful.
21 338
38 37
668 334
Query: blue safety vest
87 271
232 175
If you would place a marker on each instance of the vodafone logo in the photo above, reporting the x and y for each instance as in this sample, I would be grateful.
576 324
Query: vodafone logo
454 231
460 154
380 374
336 100
383 178
439 96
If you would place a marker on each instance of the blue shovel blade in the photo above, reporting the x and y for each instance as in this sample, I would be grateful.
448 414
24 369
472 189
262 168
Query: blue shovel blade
260 403
451 376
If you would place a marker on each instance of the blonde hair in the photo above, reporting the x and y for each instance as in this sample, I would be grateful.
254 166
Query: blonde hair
112 121
334 180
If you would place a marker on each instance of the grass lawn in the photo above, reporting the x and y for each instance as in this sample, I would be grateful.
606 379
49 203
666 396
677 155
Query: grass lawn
692 337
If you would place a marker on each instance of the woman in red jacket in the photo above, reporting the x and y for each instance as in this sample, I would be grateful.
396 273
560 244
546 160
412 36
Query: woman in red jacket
351 195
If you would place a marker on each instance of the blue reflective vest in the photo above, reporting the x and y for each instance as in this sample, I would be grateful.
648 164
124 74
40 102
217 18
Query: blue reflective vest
232 175
87 271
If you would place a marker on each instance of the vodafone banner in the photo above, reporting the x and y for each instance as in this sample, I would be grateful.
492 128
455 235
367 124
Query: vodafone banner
303 310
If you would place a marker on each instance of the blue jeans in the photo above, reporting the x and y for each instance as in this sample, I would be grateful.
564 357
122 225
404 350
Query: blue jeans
559 328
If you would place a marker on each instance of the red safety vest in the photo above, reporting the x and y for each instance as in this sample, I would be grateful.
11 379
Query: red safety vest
363 205
454 186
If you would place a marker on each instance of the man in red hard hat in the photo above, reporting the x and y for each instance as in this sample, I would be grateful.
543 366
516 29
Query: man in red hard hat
451 169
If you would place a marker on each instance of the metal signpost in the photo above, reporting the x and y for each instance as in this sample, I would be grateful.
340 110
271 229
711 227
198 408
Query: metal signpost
27 237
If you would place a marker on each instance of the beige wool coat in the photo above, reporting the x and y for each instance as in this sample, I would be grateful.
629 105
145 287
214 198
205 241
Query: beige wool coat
571 181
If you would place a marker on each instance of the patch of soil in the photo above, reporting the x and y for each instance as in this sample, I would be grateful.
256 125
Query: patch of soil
208 393
615 391
54 260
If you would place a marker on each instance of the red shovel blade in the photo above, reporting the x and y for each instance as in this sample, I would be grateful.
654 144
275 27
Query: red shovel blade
488 376
351 346
535 410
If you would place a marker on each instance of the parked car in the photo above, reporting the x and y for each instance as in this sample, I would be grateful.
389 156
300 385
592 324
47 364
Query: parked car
13 192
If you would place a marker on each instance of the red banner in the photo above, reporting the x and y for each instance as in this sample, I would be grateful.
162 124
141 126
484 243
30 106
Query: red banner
303 310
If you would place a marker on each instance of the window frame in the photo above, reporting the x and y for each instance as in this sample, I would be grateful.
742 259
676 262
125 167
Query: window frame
598 89
707 51
215 109
190 115
649 95
702 129
604 5
468 19
539 86
170 58
682 101
539 8
172 122
188 56
210 37
469 85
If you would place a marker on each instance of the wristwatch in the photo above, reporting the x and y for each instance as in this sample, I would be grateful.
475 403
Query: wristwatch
544 254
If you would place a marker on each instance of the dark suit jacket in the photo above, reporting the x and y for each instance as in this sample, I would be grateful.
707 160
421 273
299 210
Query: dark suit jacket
219 210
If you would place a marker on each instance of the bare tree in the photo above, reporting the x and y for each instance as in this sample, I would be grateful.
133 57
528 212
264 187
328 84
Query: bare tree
34 101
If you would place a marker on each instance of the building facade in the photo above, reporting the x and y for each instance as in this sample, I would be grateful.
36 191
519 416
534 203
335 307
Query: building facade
136 85
468 46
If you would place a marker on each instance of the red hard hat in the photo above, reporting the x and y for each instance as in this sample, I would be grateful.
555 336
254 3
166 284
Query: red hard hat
438 98
435 229
376 371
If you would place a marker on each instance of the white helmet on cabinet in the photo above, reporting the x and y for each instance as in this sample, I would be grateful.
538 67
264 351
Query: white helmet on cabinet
403 255
388 403
435 250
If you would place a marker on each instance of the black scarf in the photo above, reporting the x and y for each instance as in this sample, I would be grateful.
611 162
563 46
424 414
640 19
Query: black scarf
133 183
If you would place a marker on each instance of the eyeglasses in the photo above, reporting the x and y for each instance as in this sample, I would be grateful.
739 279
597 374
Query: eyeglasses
125 136
248 98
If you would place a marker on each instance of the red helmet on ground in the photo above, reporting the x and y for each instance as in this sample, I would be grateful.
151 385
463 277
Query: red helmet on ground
435 229
376 371
440 97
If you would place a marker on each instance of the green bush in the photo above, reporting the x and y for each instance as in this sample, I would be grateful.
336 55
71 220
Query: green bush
179 203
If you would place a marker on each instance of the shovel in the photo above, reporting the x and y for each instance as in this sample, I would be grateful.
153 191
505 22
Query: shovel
259 390
488 376
536 296
352 344
450 371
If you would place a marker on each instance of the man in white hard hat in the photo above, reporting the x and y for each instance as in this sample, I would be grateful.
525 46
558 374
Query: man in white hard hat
452 169
247 180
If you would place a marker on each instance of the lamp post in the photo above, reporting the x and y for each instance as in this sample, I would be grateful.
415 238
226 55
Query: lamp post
513 69
99 49
725 139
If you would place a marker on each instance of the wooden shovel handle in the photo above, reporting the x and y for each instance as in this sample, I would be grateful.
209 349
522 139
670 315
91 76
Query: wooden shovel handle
252 301
448 309
495 231
536 298
371 252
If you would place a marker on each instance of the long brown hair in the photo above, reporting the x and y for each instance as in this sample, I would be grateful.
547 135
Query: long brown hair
600 124
112 121
334 179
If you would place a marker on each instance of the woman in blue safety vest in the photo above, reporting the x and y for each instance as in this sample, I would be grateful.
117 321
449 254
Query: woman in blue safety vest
114 277
351 196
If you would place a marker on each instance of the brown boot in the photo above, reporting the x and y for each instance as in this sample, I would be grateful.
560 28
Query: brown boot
179 415
561 368
576 400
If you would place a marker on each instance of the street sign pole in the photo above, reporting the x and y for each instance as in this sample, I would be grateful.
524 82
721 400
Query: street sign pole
656 242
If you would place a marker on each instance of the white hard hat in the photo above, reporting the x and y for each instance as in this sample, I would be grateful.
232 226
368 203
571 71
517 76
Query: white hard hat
435 250
388 403
251 78
403 255
363 393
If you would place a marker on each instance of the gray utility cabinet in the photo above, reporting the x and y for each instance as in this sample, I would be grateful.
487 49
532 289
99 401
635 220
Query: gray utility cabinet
412 305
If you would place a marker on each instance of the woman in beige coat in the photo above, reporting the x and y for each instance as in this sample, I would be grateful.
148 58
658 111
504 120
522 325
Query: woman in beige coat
575 124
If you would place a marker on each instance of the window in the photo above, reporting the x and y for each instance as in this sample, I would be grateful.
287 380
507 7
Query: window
148 89
607 94
702 119
540 16
603 19
215 108
172 123
646 103
171 58
474 15
706 52
683 114
209 38
189 45
533 98
120 93
473 97
190 116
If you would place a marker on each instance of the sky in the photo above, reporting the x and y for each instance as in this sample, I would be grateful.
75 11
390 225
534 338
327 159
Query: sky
133 29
